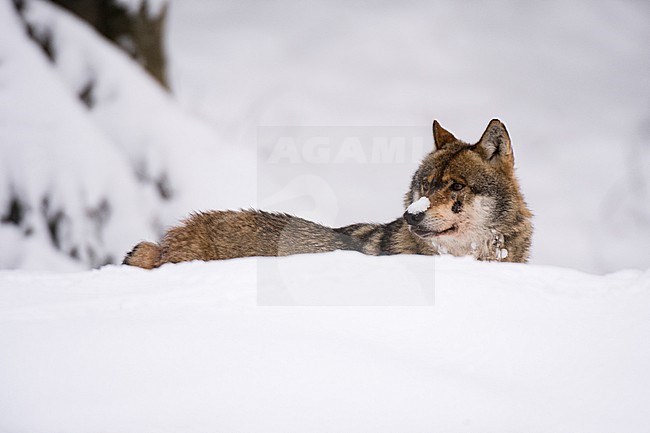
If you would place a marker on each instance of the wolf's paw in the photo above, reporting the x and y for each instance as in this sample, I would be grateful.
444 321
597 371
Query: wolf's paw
498 241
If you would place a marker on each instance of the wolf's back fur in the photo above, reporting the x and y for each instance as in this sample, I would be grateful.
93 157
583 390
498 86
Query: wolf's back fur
476 208
218 235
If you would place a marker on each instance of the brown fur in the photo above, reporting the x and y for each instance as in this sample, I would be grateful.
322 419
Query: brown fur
145 255
487 218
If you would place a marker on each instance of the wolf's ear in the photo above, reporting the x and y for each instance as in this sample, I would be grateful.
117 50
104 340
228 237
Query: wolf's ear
494 145
441 137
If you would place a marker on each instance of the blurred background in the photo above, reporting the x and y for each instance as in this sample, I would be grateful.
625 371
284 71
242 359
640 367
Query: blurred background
119 117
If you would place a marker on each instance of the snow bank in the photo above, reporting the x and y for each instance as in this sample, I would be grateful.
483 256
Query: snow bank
505 347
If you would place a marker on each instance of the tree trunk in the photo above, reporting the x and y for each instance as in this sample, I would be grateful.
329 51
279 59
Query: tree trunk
140 33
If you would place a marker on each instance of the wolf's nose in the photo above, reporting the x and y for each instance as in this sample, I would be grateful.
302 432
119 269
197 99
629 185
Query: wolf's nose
413 218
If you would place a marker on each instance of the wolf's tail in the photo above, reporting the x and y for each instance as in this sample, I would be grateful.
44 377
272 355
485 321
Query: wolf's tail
144 255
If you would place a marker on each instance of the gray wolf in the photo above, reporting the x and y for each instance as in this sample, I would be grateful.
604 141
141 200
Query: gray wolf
463 200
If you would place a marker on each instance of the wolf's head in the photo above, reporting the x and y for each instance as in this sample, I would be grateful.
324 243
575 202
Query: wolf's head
474 203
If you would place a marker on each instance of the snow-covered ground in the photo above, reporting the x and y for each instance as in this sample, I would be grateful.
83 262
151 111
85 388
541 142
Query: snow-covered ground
189 348
327 342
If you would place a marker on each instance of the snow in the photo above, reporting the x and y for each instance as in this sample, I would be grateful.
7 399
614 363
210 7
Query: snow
47 164
161 141
338 341
191 347
98 175
419 206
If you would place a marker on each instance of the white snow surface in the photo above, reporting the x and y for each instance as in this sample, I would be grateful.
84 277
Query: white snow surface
419 206
187 347
338 341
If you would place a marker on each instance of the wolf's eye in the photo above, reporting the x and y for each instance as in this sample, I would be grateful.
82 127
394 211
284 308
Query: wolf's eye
456 186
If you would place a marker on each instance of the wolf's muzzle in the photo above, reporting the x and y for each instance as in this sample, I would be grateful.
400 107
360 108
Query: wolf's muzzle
413 219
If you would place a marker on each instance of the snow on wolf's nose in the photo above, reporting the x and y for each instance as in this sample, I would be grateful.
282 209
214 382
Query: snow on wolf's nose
415 212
